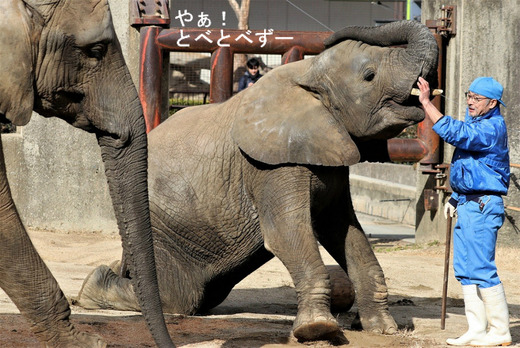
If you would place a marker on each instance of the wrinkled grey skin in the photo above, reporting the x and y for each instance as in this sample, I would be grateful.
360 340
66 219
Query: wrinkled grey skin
62 58
266 173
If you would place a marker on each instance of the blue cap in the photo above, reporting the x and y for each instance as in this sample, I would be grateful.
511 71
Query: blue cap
488 87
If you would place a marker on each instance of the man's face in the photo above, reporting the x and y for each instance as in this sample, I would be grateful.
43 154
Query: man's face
479 105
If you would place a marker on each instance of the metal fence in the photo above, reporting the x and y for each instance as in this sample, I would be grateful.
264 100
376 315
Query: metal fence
190 76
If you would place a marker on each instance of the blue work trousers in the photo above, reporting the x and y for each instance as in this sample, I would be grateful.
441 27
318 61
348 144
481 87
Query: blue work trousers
474 241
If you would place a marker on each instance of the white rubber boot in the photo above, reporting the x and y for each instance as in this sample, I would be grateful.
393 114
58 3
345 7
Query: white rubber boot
498 317
475 315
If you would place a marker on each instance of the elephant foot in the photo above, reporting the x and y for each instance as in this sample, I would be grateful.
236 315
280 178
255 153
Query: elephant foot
342 293
77 340
62 333
318 328
103 289
382 323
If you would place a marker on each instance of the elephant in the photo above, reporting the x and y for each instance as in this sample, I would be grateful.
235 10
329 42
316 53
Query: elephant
62 58
266 173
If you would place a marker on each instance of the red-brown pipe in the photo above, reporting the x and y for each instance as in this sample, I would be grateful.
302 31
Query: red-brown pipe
150 74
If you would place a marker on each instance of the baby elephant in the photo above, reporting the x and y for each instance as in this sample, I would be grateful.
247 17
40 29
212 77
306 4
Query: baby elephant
266 173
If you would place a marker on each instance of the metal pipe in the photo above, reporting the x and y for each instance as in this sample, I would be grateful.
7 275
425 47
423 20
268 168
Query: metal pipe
294 54
240 41
424 130
406 150
446 272
150 76
222 74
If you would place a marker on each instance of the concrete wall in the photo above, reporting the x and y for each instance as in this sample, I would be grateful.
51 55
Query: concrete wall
55 171
384 189
486 44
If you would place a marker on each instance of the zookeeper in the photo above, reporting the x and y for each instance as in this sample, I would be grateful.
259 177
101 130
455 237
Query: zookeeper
479 177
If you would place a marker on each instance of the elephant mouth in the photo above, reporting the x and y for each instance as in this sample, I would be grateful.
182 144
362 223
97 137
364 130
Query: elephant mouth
408 111
392 118
67 104
63 98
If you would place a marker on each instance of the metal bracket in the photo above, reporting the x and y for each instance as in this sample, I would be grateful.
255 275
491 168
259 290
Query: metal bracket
447 24
150 12
431 200
442 184
448 20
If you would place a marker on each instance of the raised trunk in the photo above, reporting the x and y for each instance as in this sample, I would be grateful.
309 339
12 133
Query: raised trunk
421 45
126 170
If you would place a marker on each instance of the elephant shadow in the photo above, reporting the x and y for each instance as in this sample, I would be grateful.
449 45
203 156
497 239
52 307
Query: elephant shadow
282 301
275 300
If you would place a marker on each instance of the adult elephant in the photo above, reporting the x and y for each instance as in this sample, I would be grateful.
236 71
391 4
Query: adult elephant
62 58
267 173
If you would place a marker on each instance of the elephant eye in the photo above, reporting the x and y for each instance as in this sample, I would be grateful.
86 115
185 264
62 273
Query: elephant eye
369 75
96 50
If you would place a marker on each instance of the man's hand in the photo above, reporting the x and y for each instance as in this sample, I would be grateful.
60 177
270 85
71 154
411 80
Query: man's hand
450 209
424 97
424 87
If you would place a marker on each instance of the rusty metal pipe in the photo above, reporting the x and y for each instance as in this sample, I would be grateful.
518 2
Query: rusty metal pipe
406 150
294 54
446 272
424 130
150 76
310 42
221 71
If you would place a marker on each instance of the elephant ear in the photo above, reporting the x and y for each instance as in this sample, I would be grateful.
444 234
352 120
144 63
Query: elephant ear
279 121
20 27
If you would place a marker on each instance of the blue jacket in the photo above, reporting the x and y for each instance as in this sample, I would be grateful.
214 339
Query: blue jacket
480 163
246 79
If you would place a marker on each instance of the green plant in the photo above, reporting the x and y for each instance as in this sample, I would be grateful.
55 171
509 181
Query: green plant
177 104
409 133
392 248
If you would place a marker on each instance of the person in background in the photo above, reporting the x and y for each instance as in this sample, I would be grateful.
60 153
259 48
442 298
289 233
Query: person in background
251 75
479 177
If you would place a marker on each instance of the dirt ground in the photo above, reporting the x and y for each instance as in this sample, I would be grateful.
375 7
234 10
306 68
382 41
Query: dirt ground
260 310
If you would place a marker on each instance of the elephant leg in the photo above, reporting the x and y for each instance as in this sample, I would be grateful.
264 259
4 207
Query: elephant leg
28 282
286 226
103 288
342 236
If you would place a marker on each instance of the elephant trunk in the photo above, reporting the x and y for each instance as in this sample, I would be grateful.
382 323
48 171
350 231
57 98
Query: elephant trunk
126 168
421 44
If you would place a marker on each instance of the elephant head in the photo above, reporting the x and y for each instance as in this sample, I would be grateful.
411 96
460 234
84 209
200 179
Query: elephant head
310 111
62 58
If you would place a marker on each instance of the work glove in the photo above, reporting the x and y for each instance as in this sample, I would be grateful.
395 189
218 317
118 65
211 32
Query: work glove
450 208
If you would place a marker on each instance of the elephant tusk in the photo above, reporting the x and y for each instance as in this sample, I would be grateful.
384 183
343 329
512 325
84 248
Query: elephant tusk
416 91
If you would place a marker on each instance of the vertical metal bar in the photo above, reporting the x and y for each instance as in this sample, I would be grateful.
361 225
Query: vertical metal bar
150 76
294 54
221 79
446 272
